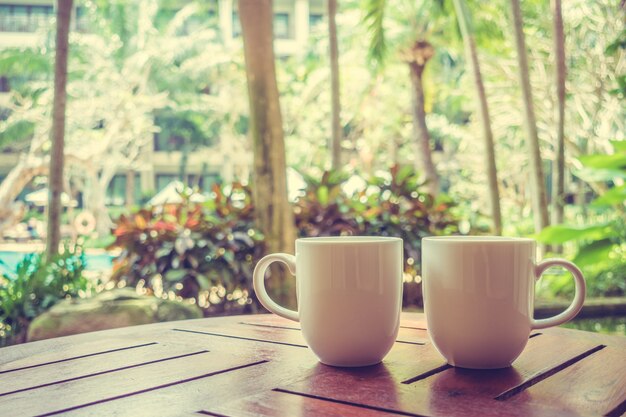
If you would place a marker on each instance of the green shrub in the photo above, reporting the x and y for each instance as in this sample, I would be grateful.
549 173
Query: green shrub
208 251
36 286
390 205
190 250
599 245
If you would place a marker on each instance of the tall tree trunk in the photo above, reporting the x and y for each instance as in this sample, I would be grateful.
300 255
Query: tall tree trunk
273 212
334 75
417 57
558 175
540 203
490 153
55 179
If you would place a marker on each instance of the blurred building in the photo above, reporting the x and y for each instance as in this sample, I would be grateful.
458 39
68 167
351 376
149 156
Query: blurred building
21 20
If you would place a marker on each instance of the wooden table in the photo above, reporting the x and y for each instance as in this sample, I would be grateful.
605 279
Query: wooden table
260 366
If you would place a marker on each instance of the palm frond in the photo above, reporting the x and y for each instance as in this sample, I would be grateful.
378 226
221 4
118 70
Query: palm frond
180 18
373 20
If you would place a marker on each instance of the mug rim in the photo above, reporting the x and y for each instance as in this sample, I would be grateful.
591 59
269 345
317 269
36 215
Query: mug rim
478 239
348 239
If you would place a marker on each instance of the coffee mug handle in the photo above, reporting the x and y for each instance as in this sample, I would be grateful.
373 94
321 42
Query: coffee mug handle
579 295
258 279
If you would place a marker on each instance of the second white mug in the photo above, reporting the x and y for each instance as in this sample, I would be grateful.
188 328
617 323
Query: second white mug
479 295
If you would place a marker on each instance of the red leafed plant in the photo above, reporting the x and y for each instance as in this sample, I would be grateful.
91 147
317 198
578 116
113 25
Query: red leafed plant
202 251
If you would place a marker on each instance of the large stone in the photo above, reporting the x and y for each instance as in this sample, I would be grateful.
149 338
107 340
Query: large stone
107 310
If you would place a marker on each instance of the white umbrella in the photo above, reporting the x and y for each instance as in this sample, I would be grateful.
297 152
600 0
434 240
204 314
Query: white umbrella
295 184
40 198
171 195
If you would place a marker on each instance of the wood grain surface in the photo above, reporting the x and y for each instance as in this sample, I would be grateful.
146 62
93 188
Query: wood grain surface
260 366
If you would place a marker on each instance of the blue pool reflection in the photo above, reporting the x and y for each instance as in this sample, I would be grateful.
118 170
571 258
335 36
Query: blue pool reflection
94 262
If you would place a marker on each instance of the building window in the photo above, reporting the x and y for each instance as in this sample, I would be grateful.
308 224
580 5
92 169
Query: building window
162 180
20 18
116 192
281 26
82 20
236 25
203 182
315 19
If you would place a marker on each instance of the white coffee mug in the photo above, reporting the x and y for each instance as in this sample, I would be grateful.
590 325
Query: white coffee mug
349 292
479 297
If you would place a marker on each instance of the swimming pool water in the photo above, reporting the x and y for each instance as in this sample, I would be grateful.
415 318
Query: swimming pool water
94 262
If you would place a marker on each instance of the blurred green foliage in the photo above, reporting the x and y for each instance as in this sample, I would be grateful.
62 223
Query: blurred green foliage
607 325
389 204
37 285
192 250
598 247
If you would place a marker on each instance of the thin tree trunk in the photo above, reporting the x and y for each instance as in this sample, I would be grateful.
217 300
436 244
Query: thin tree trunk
184 159
540 203
130 189
558 185
417 57
334 75
273 212
490 152
204 170
55 178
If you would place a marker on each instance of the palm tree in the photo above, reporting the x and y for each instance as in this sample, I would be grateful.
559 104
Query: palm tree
334 75
415 50
540 203
55 178
467 33
274 215
558 193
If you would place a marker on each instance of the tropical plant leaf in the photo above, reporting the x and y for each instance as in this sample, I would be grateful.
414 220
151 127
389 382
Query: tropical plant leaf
619 145
614 196
561 233
175 274
597 175
595 253
613 161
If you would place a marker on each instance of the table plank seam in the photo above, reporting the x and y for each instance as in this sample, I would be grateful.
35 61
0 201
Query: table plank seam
618 410
240 337
209 413
426 374
247 323
271 326
77 357
143 391
102 373
543 374
350 403
407 342
413 328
